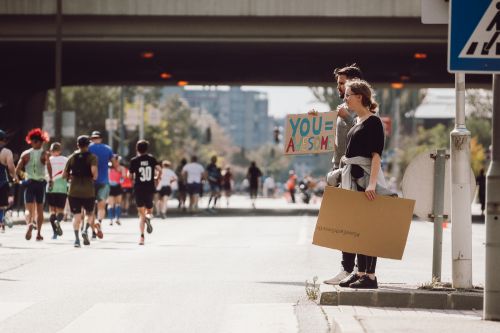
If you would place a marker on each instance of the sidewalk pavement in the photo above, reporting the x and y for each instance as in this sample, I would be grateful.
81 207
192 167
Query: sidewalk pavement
404 308
361 319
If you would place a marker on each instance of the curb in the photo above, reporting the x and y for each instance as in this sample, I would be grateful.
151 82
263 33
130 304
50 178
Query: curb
404 298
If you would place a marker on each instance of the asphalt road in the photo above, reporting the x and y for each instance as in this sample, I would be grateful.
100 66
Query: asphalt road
197 274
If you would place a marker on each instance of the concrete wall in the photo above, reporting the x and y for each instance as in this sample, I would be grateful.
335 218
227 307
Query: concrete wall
314 8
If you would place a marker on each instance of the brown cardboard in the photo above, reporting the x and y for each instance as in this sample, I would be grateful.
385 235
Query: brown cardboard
310 134
349 222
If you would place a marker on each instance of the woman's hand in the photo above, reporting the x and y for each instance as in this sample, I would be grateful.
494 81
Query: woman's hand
370 192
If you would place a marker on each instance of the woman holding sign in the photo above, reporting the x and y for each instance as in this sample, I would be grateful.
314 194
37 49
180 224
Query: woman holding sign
362 171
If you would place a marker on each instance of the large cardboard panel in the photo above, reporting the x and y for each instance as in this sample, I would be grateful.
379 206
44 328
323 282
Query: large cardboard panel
349 222
310 134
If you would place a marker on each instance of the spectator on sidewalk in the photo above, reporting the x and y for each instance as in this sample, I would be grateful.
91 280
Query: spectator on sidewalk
481 188
291 184
345 121
362 171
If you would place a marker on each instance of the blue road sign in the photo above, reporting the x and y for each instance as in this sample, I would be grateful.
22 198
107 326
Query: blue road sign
474 36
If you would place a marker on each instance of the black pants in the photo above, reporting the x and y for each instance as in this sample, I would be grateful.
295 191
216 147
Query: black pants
367 264
348 261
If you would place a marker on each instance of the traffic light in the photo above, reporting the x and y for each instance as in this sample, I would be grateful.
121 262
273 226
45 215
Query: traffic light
387 122
276 134
208 135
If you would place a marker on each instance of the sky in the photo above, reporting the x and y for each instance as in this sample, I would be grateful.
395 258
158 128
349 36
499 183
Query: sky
284 100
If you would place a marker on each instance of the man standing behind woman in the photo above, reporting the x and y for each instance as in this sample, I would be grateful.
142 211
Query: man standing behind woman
345 121
362 170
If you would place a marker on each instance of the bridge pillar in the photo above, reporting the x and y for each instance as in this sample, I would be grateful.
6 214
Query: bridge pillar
21 110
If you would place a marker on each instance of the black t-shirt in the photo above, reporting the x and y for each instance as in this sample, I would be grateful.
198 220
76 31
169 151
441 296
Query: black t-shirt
366 138
254 173
143 167
214 174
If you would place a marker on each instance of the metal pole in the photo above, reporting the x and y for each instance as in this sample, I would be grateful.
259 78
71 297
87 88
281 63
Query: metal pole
58 75
492 282
121 124
141 116
437 212
111 131
461 219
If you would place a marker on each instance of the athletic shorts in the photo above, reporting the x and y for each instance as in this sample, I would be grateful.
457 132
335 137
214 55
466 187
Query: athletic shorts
194 188
127 190
76 205
4 195
101 191
165 191
144 198
56 199
214 187
35 191
115 190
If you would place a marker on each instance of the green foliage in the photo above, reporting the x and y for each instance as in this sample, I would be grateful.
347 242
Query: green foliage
481 129
426 139
313 289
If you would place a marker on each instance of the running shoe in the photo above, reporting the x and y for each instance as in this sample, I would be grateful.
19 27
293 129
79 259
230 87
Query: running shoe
77 243
149 227
118 222
85 238
54 236
141 241
58 229
2 229
94 235
39 238
29 231
110 222
99 233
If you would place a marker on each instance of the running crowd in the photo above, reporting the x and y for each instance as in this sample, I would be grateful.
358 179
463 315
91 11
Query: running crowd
92 183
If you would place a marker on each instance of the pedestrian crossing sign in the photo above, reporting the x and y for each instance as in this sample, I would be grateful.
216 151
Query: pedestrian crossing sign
474 36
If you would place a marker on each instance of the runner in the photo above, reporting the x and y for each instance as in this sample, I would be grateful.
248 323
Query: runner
165 187
146 173
6 168
81 171
193 173
227 184
104 155
57 188
214 177
253 175
32 166
182 186
116 178
127 188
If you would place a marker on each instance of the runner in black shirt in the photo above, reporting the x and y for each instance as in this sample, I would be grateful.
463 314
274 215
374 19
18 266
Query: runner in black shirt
146 172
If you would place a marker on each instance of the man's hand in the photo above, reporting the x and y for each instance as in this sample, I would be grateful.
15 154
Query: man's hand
342 111
312 113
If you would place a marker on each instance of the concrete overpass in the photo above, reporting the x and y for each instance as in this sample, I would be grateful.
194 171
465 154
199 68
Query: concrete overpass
273 42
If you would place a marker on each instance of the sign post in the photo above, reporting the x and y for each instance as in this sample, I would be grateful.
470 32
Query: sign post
474 47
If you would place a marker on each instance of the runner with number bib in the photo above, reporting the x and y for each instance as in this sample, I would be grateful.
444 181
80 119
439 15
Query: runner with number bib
146 173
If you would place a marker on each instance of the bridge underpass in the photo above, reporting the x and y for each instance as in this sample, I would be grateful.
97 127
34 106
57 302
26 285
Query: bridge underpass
104 46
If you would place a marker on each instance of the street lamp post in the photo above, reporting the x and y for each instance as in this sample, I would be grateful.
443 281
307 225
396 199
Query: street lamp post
492 281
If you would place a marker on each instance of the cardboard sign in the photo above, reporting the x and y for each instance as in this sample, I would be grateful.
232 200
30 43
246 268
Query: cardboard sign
310 134
349 222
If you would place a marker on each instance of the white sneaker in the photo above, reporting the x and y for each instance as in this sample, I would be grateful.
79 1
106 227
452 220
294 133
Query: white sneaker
337 278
